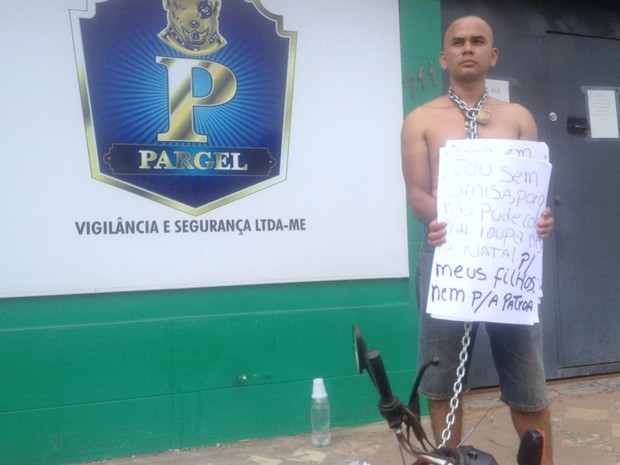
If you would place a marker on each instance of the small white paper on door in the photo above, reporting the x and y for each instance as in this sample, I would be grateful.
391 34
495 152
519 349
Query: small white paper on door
499 89
603 112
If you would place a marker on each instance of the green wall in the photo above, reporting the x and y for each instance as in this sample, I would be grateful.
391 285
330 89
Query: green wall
89 377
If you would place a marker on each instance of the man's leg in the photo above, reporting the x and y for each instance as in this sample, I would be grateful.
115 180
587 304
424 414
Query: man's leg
535 420
438 410
517 352
439 339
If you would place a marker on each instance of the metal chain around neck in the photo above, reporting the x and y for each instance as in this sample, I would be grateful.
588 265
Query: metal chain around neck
470 114
471 124
458 386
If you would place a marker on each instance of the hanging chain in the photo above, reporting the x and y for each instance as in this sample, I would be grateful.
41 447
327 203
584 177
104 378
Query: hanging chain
458 385
470 114
471 124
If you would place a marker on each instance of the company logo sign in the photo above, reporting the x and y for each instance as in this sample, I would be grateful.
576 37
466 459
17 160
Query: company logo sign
186 102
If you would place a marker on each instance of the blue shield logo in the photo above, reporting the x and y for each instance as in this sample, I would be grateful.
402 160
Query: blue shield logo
185 102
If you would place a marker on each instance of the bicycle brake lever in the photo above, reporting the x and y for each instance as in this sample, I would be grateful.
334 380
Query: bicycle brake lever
414 392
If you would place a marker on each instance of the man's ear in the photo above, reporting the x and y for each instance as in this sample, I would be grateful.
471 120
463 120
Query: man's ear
166 4
442 60
494 56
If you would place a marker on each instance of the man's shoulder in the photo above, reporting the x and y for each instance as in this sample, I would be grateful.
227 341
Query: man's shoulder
509 110
511 117
429 109
439 103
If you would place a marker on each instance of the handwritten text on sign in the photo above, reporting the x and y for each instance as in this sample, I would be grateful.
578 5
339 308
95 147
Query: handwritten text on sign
490 268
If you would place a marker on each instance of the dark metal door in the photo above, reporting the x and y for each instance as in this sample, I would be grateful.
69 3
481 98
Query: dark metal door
587 196
550 52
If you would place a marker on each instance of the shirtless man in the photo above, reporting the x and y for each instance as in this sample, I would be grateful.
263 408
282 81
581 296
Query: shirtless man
467 55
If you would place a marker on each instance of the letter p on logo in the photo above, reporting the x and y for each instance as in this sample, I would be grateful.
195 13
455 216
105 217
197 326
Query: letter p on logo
182 99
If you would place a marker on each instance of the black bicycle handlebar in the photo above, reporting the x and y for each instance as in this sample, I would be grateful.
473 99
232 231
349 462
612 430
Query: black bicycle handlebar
389 406
530 451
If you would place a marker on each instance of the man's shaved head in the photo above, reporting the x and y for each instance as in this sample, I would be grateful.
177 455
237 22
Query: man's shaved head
458 23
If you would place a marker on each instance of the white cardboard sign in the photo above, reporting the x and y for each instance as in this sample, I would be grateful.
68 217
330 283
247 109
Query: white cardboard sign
490 268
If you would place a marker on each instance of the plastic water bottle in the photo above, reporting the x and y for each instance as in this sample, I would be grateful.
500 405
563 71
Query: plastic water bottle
319 414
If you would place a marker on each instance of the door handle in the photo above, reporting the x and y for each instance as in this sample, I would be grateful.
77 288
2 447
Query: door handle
577 126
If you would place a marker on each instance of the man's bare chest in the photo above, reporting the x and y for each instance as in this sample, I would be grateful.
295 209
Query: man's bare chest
450 124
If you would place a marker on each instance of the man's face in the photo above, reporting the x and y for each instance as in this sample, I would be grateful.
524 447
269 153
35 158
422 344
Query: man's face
195 21
468 49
